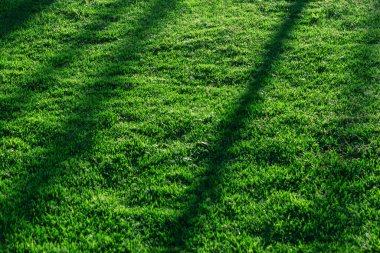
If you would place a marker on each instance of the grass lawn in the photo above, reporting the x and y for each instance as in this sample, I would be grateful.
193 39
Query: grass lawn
189 125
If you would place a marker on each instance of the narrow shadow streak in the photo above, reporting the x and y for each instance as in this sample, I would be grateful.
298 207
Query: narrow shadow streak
14 14
229 130
76 139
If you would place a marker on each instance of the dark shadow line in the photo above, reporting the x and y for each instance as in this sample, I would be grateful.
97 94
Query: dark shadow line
17 14
78 132
37 82
207 189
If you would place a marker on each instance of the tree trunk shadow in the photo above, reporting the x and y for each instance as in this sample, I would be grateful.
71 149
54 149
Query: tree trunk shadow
13 14
77 137
207 189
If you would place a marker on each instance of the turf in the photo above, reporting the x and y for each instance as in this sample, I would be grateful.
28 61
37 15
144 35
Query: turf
189 125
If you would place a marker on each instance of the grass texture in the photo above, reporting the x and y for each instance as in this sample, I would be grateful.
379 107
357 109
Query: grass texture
189 126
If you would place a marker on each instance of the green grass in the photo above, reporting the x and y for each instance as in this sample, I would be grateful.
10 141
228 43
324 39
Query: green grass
189 125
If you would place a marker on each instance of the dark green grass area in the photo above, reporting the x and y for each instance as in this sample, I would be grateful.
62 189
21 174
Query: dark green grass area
189 125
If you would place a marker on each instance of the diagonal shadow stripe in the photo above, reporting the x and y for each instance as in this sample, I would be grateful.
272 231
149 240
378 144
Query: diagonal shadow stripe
206 189
15 13
78 132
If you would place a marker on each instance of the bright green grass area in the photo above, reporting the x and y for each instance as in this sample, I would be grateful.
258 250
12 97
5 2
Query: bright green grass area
189 125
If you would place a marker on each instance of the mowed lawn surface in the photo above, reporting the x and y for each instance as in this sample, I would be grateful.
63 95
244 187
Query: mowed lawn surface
189 125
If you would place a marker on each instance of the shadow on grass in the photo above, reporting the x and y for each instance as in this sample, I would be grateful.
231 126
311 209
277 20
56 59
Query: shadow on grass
13 13
208 188
78 129
346 176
